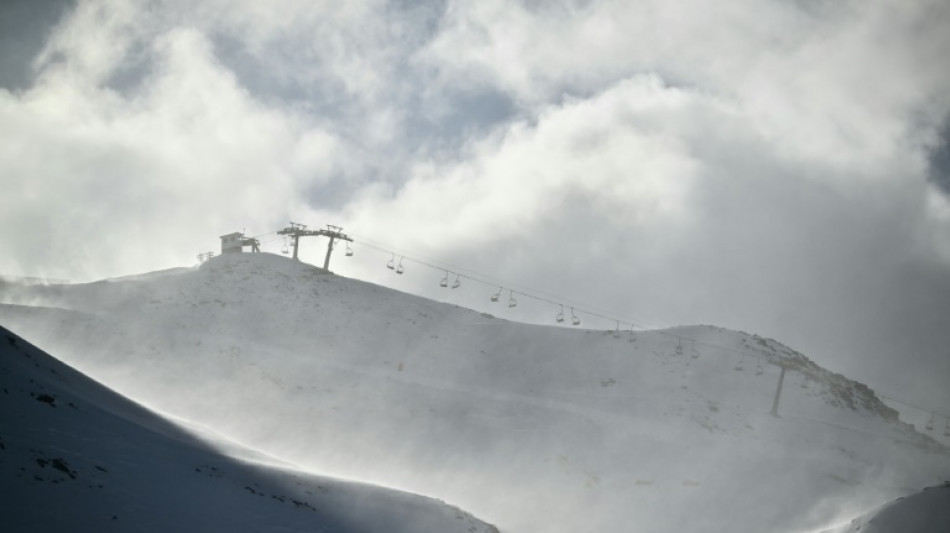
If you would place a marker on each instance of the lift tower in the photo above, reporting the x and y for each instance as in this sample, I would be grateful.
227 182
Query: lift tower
295 231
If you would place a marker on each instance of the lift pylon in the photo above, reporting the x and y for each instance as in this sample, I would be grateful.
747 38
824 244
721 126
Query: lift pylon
296 230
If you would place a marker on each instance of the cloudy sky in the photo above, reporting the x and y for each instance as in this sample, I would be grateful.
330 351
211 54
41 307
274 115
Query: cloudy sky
780 167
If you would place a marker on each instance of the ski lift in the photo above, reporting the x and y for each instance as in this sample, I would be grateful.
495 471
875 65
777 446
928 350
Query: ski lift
560 315
444 282
511 299
399 269
391 264
694 353
739 367
617 330
679 346
285 249
349 251
759 370
496 296
930 423
946 428
633 336
456 284
575 320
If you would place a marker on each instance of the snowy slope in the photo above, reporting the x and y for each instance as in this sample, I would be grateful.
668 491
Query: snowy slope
536 429
76 456
927 511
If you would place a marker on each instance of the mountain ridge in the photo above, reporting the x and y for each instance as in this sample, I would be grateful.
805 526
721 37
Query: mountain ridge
441 400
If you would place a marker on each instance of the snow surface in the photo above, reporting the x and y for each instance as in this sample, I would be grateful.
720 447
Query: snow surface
533 428
927 511
75 456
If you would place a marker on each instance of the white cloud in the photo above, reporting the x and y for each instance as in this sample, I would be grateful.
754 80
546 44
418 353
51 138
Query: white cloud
89 44
731 162
837 82
155 175
608 149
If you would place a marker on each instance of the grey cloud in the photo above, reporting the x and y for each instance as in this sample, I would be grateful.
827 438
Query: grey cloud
129 76
939 159
25 25
456 116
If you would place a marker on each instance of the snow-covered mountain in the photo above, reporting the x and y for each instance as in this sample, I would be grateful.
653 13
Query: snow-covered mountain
533 428
76 456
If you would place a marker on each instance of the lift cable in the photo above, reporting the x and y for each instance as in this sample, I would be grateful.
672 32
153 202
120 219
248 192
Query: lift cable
554 300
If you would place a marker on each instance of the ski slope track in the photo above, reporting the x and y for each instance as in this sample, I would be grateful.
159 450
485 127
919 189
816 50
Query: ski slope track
535 429
76 456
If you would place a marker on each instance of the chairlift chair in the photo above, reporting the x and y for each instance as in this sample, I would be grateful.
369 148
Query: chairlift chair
349 251
575 320
511 299
285 249
560 315
399 269
391 265
930 423
617 330
739 367
444 282
692 349
633 336
456 284
496 296
758 369
946 428
679 346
